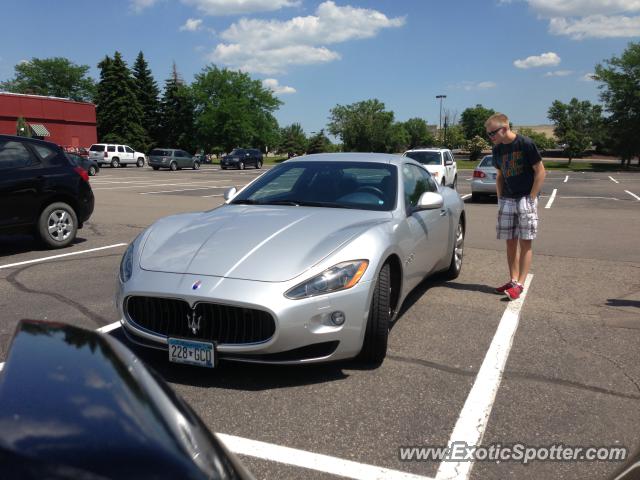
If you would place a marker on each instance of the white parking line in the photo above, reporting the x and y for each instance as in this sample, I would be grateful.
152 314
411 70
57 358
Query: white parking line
633 195
108 328
591 197
312 461
184 190
613 179
552 198
566 179
465 196
473 419
62 255
209 196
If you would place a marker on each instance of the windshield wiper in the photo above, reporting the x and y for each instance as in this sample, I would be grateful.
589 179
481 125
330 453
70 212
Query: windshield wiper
303 203
244 201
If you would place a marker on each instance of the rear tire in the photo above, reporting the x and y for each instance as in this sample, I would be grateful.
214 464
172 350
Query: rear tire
58 225
241 166
374 346
455 183
455 267
155 168
196 166
92 171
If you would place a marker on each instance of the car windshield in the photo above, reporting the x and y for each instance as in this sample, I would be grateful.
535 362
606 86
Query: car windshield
426 158
97 148
357 185
487 161
236 151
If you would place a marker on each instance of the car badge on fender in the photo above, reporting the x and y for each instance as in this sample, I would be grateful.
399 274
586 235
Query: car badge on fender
193 321
196 285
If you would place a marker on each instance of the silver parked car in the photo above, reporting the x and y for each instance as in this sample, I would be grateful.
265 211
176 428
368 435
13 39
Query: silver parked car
309 262
483 182
173 159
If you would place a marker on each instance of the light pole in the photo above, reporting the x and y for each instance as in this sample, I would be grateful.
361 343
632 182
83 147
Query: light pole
440 121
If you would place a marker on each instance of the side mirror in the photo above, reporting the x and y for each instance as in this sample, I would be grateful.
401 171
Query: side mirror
430 201
230 193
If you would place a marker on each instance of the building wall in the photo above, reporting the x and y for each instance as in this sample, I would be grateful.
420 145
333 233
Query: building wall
69 123
546 129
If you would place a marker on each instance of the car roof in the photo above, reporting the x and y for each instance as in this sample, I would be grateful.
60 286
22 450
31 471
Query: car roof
428 149
28 139
387 158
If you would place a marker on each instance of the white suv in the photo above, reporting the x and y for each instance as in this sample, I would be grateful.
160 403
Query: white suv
440 163
116 155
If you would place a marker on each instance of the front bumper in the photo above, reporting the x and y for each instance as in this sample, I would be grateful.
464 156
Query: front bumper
303 329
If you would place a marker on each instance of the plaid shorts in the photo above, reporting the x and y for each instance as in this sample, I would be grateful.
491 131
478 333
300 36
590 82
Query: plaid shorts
517 218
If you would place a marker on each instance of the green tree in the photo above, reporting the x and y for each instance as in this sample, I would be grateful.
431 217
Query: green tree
398 140
419 134
575 124
148 94
293 141
362 126
620 77
540 139
22 128
177 111
454 137
319 143
118 112
56 77
233 110
472 121
475 146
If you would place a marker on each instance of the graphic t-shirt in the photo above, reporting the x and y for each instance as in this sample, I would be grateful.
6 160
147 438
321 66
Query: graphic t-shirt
515 160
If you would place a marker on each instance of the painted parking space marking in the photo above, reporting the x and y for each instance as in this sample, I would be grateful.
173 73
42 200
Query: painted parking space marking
566 179
613 179
465 196
313 461
44 259
474 417
633 195
108 328
185 189
552 198
590 197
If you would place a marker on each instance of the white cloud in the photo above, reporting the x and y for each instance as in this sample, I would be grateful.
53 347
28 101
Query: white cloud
549 59
474 86
269 46
235 7
596 26
559 73
273 85
139 5
582 8
191 25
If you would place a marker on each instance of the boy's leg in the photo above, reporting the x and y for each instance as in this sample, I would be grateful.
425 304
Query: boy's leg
526 255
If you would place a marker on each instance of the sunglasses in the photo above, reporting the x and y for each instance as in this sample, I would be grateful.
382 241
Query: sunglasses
492 133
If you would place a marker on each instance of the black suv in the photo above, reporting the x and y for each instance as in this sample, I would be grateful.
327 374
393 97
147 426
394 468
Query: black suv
41 191
242 157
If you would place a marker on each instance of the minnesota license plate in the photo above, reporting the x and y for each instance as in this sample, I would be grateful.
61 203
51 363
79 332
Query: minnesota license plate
192 352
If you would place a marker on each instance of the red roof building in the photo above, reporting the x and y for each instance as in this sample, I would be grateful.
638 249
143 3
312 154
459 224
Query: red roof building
59 120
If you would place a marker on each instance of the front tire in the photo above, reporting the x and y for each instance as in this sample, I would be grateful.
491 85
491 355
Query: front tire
259 164
140 162
458 252
173 166
196 166
374 346
241 166
455 183
58 225
92 171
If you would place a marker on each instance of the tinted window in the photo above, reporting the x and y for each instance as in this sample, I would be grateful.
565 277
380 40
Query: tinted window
487 161
156 152
111 148
44 152
121 149
236 151
129 149
415 184
14 155
449 157
178 154
97 148
75 159
426 158
358 185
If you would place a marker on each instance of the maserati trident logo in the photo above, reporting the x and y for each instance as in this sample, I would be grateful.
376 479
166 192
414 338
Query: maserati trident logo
193 321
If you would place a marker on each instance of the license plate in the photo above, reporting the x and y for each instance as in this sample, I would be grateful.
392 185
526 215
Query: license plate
192 352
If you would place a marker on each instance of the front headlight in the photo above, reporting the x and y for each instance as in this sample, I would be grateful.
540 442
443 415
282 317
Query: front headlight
339 277
126 264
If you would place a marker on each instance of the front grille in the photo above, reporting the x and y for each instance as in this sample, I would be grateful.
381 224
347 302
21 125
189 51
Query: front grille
218 323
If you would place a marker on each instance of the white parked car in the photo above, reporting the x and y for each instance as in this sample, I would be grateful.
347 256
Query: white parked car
116 155
440 163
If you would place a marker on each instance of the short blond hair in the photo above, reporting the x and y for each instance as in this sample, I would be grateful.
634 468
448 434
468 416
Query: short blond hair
497 118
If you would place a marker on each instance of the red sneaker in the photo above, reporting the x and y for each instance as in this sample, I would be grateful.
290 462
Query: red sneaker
514 292
504 287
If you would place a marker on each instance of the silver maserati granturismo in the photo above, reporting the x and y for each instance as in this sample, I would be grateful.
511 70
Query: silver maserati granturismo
310 262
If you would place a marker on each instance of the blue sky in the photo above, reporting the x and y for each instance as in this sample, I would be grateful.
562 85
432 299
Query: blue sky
515 56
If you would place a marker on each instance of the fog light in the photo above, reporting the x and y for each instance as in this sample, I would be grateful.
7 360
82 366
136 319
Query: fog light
337 318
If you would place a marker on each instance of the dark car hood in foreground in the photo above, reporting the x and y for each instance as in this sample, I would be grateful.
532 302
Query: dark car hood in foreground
77 404
263 243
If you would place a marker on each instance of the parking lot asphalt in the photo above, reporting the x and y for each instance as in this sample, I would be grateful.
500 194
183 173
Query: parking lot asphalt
571 376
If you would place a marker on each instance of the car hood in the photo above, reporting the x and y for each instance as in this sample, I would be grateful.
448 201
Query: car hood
263 243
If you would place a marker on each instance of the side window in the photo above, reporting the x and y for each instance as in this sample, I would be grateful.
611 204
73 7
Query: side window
129 149
414 185
430 182
111 148
14 155
448 157
44 152
178 154
120 149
